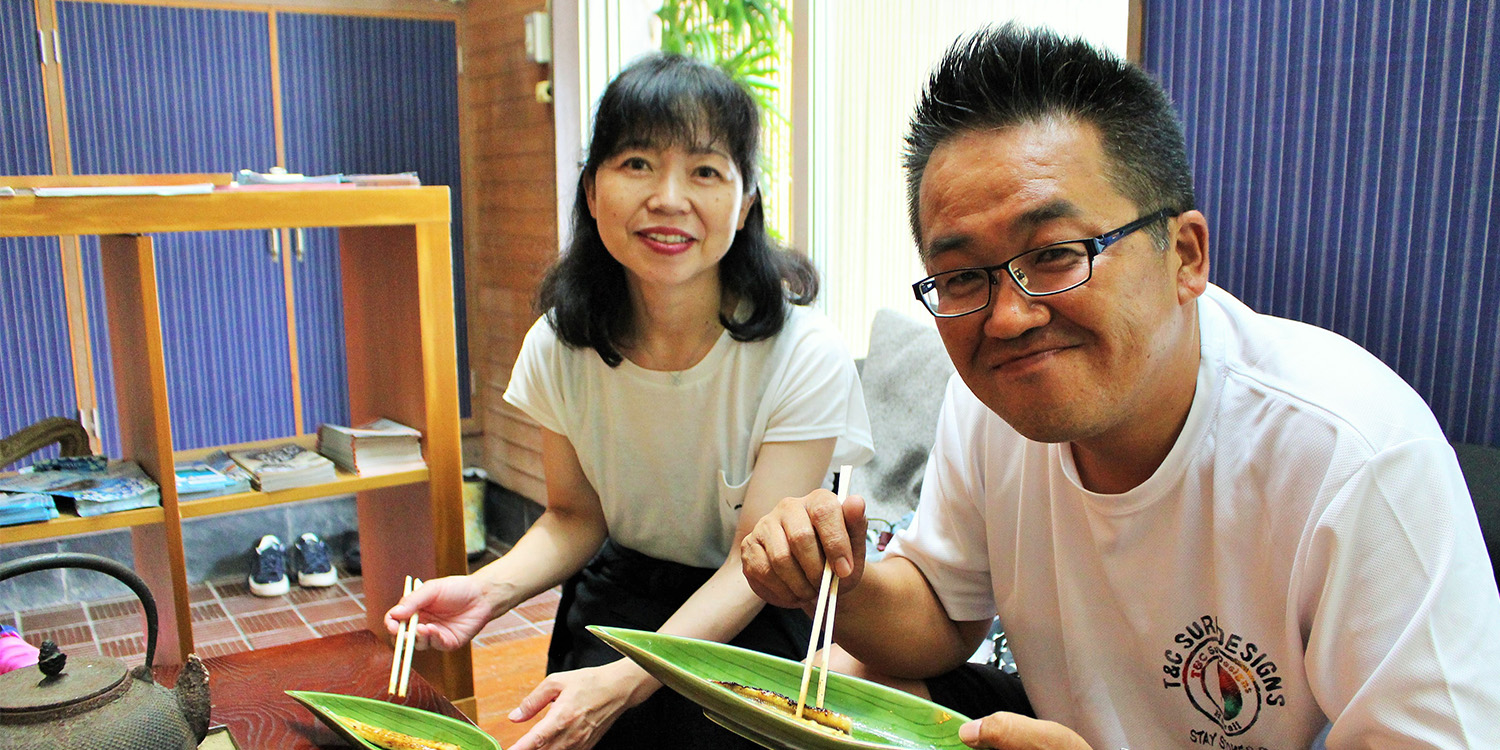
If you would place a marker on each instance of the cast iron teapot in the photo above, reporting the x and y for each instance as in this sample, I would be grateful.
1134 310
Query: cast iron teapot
97 703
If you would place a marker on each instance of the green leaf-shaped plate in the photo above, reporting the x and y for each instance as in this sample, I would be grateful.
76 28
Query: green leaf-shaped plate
883 717
403 719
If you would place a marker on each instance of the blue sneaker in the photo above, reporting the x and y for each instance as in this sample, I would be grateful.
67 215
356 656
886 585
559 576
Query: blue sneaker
314 564
268 568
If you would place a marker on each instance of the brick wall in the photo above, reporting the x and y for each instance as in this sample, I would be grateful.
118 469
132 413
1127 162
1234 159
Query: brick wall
510 191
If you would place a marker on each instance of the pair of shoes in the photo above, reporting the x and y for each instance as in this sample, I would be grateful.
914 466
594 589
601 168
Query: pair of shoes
268 572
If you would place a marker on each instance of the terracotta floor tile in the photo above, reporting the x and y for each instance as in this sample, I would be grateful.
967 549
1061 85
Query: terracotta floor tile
545 627
502 677
353 585
281 637
123 647
505 636
333 609
246 605
116 627
265 622
209 611
230 587
507 621
117 608
222 648
537 612
210 631
334 627
200 592
300 594
54 617
66 635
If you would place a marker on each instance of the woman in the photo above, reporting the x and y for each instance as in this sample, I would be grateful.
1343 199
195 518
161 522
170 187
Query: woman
683 389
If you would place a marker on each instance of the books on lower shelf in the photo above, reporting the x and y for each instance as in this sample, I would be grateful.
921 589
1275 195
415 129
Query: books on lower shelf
383 446
121 485
26 507
211 476
284 466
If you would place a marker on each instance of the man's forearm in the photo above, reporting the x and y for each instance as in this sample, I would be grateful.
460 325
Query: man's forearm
894 623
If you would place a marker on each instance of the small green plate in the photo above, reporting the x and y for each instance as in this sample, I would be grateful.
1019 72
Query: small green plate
883 717
404 719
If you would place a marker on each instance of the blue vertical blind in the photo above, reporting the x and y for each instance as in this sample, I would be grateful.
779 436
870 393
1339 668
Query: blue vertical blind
354 100
1345 154
154 89
36 364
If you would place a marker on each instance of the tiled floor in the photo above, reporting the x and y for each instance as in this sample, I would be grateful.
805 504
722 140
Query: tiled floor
509 654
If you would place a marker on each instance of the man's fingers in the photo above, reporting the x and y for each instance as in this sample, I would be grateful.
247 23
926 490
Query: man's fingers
1008 731
763 578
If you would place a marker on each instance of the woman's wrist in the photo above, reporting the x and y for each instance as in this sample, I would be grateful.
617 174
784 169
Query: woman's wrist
640 684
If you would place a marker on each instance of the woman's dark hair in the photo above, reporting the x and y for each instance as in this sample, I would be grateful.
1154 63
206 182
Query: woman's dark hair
1009 75
664 100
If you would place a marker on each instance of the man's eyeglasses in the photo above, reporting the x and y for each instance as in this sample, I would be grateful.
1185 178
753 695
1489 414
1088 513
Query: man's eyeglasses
1050 269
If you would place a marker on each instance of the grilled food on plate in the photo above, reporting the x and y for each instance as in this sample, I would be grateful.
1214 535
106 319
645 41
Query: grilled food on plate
822 718
390 739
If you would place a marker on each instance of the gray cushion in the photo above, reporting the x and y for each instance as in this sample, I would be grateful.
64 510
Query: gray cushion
904 376
1481 467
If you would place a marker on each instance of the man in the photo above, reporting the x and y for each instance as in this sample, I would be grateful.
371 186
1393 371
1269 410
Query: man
1200 526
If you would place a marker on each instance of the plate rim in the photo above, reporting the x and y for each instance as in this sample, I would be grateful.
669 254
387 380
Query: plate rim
607 634
342 731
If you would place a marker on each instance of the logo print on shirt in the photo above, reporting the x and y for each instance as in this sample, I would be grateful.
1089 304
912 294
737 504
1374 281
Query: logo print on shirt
1227 678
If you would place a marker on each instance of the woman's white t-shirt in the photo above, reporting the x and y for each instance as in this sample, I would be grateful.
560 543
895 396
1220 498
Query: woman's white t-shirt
671 453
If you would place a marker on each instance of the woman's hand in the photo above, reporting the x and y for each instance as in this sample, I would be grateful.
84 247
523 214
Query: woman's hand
1008 731
452 611
585 703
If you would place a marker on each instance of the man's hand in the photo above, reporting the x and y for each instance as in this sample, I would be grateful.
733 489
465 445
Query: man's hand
783 556
1008 731
585 704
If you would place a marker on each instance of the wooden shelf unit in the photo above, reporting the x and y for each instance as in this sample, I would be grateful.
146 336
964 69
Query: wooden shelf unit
396 264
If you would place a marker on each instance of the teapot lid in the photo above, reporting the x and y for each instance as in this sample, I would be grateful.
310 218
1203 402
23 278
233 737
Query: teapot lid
27 689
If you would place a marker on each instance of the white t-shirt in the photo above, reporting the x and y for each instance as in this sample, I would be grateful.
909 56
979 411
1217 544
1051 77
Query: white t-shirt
671 454
1307 552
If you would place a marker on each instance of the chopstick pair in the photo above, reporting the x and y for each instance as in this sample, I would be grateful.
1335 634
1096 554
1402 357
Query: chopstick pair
828 597
406 642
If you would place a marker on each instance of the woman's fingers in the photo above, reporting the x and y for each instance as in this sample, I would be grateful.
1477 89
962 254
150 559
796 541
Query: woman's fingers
1008 731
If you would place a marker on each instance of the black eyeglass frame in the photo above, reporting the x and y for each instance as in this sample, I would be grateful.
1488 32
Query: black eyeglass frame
1095 246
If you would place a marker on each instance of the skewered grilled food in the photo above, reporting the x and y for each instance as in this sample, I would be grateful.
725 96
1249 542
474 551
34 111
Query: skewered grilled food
390 739
822 718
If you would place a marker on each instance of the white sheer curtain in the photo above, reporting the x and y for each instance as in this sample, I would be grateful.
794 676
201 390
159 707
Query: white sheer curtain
869 59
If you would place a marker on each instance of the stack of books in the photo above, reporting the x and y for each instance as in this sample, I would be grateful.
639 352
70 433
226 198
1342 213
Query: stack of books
120 485
379 447
26 507
284 466
214 475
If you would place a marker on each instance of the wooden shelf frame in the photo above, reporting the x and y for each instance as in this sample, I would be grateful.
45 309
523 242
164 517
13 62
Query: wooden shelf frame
396 262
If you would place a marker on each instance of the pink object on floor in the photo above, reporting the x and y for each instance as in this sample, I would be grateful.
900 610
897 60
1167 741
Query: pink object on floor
15 652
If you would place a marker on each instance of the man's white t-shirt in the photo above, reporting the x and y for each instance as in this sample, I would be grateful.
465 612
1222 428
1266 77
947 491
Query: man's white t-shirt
671 454
1308 552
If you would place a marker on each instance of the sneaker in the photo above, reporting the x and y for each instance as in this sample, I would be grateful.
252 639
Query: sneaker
314 563
268 568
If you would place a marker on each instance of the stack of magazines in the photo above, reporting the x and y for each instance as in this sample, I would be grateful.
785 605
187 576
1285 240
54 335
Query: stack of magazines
213 475
379 447
284 466
119 485
26 507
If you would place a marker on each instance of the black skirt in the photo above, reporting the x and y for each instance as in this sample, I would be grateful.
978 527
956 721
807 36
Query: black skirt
624 588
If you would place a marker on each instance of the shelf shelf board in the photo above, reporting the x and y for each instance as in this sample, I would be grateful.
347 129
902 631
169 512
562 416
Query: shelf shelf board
29 216
67 525
346 484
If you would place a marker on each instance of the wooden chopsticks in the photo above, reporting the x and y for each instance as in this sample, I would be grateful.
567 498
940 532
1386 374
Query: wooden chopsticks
828 597
406 642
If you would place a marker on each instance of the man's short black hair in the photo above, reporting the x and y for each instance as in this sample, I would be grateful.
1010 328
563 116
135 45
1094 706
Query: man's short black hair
1009 75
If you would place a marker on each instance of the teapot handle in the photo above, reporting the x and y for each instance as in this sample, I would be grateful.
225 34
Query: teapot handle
96 563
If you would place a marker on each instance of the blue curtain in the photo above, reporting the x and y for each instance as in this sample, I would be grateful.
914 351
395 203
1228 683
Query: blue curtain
1345 154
